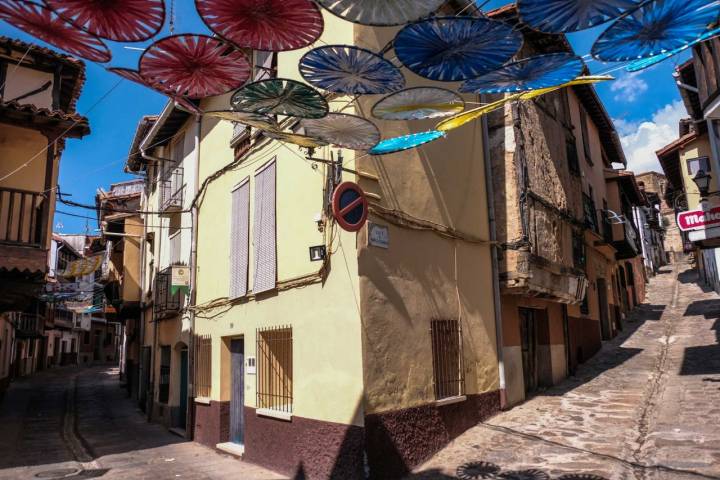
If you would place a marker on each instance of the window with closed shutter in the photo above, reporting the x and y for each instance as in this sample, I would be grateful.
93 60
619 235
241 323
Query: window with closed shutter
239 240
264 230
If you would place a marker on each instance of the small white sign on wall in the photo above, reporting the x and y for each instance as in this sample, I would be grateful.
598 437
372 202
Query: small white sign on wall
251 366
378 235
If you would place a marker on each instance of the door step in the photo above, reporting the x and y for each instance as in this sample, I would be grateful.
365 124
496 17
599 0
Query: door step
234 449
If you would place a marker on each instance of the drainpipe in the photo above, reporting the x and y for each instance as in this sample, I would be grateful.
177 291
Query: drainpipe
495 251
143 258
190 417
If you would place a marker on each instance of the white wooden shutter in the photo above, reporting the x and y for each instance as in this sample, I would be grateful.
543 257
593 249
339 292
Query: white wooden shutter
264 230
239 237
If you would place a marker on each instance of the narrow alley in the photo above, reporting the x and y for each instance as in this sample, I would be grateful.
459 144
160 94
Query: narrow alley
647 406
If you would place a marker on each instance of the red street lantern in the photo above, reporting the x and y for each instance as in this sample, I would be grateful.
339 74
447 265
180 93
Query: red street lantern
350 206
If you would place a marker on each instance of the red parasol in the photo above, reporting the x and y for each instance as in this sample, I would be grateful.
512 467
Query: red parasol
194 66
268 25
134 76
43 23
118 20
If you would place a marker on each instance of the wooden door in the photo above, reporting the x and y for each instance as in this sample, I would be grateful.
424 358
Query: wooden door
528 338
237 396
603 308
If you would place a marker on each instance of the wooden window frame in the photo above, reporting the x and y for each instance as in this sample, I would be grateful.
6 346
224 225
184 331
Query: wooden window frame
447 358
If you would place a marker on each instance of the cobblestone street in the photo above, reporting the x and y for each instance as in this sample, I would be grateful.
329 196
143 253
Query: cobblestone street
646 407
79 424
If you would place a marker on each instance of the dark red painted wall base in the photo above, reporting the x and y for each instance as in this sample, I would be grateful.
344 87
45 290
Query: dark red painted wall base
400 440
212 423
304 448
585 340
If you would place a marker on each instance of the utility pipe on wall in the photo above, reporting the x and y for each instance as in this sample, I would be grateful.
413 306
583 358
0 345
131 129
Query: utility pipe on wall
494 253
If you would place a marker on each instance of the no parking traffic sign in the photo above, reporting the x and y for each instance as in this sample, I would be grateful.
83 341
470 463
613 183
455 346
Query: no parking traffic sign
350 206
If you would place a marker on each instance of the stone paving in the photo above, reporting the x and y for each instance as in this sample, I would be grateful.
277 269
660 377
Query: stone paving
646 407
79 420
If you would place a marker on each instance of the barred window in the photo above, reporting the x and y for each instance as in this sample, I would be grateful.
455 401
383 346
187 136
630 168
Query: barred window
447 356
275 369
572 157
203 365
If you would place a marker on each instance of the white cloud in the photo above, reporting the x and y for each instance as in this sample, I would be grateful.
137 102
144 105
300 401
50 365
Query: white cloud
640 140
629 87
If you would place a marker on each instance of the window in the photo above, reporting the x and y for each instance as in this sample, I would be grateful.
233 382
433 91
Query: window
203 365
572 156
578 244
239 234
275 369
694 165
86 338
590 213
447 355
585 136
164 388
264 230
585 306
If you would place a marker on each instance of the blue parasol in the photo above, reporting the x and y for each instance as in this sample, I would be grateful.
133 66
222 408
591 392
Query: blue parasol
450 49
657 27
644 63
541 71
351 70
562 16
406 142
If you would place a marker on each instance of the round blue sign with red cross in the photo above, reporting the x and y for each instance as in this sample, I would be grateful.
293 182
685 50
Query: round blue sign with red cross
350 206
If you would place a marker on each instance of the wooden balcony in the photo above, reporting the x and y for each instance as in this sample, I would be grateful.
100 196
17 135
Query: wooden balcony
27 325
22 217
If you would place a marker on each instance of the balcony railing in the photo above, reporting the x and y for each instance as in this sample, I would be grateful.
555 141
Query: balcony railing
27 324
21 217
171 190
165 304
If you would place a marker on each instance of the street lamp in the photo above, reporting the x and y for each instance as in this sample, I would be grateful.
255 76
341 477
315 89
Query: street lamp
702 180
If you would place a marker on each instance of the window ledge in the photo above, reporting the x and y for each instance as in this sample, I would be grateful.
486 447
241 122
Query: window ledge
266 412
450 400
203 400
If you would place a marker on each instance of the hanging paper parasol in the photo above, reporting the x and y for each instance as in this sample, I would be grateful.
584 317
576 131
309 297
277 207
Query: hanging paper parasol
467 117
382 12
585 80
346 131
449 49
134 76
418 103
532 73
117 20
295 139
268 25
195 66
255 120
46 25
658 26
406 142
352 70
638 65
279 96
562 16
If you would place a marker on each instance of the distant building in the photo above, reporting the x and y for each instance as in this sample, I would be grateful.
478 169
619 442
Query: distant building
657 184
38 94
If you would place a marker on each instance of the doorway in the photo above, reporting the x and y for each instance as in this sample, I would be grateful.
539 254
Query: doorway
145 356
603 308
529 344
182 413
237 394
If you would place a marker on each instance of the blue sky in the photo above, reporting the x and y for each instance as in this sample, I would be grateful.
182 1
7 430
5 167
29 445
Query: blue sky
646 108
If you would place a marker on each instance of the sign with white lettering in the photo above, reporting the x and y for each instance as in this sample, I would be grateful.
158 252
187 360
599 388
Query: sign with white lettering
698 219
378 235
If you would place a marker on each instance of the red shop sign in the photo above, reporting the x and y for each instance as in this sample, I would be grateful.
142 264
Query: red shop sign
350 206
698 219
